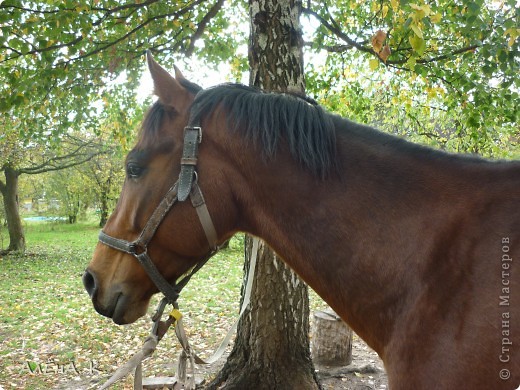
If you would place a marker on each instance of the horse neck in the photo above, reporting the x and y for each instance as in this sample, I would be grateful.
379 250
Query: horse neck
353 237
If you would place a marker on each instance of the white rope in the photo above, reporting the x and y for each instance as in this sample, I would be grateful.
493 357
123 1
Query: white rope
181 334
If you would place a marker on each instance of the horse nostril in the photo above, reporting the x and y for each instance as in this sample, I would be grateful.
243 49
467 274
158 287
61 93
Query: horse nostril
89 281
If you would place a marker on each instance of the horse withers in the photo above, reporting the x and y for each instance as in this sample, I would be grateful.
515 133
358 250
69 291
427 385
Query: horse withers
416 249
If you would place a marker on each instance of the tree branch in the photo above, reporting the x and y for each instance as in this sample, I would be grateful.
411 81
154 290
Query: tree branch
338 33
81 153
333 48
334 28
202 26
124 6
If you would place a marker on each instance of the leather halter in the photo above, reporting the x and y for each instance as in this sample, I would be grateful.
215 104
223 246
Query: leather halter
186 186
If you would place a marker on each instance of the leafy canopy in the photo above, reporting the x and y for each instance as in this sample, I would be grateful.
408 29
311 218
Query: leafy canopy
451 63
57 56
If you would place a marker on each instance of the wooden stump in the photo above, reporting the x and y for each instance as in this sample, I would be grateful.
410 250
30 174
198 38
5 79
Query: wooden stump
331 340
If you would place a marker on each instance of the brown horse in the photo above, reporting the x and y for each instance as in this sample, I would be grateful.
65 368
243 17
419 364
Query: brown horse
417 250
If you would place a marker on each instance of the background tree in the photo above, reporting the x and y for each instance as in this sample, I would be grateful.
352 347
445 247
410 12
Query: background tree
68 188
34 159
106 175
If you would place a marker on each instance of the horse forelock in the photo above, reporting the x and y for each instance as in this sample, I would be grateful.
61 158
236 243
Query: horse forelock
150 130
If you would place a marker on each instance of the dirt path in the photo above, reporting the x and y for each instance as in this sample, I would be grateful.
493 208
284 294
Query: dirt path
366 371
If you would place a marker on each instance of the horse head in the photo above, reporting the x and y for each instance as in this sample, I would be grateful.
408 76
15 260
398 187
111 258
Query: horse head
177 241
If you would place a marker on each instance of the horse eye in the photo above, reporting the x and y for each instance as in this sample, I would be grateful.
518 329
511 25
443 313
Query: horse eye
133 170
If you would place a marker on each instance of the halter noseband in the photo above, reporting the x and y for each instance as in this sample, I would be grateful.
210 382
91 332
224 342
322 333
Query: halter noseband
186 186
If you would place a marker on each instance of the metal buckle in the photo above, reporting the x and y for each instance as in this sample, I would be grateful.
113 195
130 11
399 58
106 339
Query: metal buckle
196 128
137 249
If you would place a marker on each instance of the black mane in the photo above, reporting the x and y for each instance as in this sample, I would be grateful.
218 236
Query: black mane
268 118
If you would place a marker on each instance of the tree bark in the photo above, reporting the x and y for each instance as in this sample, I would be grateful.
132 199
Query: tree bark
104 213
271 349
9 191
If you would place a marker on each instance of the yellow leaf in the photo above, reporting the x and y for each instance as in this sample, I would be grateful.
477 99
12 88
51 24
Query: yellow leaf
513 34
411 63
373 63
436 18
394 4
176 23
417 30
418 44
421 10
426 9
385 11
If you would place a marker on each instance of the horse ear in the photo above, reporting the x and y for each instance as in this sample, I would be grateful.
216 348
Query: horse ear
168 89
178 75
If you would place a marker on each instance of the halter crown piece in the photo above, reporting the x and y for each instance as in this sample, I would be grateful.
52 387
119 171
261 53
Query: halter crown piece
186 186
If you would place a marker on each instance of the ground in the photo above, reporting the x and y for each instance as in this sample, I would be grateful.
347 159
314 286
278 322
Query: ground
365 373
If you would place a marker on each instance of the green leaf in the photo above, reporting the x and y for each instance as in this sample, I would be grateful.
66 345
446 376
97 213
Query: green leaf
373 63
418 44
411 62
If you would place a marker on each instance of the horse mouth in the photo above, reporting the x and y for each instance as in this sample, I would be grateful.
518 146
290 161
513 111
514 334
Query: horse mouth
119 310
112 310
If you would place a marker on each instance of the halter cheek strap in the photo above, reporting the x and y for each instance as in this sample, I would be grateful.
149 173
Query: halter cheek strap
192 139
186 185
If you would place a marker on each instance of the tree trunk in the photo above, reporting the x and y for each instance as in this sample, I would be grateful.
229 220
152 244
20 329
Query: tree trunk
104 213
104 201
271 349
9 191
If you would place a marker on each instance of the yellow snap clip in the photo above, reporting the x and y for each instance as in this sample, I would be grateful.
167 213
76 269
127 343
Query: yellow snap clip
176 314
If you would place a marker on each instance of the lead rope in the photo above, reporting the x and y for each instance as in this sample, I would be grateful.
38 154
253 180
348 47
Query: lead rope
188 355
159 329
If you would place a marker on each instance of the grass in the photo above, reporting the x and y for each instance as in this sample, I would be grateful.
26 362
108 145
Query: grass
51 335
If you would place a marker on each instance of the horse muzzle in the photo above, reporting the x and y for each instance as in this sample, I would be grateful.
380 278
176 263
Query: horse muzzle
113 303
